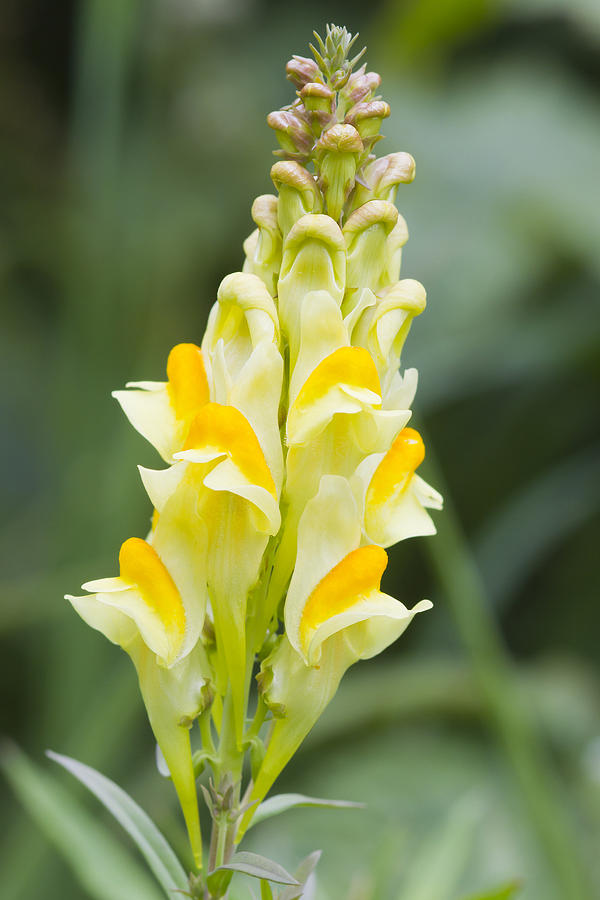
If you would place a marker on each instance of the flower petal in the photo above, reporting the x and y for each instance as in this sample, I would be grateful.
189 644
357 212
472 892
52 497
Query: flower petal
333 601
394 497
322 331
329 529
115 625
162 411
344 382
223 430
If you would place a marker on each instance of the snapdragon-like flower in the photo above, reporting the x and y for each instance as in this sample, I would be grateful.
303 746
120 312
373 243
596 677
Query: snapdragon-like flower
290 460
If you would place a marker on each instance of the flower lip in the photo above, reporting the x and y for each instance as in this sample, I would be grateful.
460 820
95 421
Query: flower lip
187 381
221 430
354 578
397 467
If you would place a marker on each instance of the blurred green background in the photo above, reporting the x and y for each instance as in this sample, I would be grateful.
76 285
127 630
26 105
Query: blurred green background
133 142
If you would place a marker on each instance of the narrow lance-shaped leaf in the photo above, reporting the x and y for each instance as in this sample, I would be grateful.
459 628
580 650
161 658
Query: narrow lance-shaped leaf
281 803
102 867
302 873
149 840
258 867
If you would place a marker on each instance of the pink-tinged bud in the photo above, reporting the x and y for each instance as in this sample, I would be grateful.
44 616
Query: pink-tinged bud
317 97
338 151
367 117
367 234
341 139
298 194
361 86
382 178
318 106
300 70
292 132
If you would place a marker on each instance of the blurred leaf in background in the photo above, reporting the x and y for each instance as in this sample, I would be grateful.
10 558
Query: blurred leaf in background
133 143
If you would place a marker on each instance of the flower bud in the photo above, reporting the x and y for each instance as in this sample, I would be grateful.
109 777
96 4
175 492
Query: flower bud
383 176
263 246
293 134
383 328
361 86
366 233
314 259
367 117
300 70
317 97
390 270
298 193
338 150
319 103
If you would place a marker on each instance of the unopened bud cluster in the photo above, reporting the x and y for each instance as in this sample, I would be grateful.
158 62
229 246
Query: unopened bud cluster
333 125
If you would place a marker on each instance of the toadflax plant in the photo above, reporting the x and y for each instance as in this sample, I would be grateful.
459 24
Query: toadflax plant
289 468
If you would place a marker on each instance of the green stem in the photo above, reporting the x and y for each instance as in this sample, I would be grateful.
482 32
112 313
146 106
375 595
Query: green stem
222 831
258 720
205 725
230 759
463 588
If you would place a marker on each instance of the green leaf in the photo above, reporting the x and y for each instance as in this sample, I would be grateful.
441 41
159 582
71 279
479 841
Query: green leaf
506 892
265 891
435 870
282 802
303 873
100 864
258 867
149 840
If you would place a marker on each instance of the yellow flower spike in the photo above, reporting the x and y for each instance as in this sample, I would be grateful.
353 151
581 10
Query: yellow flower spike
298 194
395 498
366 234
162 411
290 466
263 247
314 259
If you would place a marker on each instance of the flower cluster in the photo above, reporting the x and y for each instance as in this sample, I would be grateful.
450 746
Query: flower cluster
290 465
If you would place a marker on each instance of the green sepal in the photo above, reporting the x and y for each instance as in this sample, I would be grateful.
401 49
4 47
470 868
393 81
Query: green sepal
173 699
